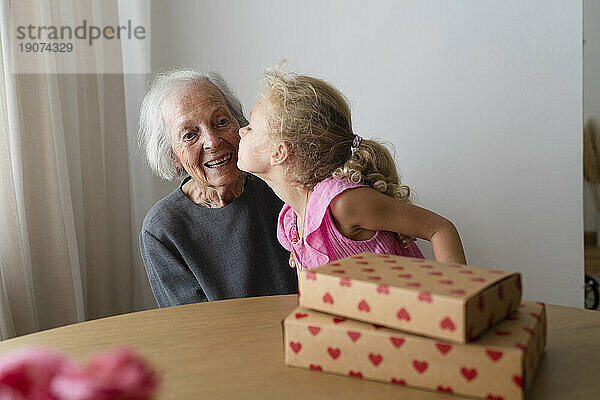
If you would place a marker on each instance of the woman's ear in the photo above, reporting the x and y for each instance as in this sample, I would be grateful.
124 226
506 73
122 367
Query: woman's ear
176 160
279 155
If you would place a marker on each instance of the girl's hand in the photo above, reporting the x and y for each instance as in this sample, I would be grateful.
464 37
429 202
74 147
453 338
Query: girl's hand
292 263
366 208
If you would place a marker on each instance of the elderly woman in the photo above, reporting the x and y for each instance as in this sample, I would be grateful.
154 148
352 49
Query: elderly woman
214 237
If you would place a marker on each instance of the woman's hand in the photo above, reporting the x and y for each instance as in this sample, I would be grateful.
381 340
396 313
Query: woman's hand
366 208
292 262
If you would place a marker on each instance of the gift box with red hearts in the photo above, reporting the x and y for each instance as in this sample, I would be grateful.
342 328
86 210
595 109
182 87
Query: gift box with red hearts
453 302
498 365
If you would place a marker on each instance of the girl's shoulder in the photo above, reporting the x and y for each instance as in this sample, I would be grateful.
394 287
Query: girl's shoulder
322 196
329 188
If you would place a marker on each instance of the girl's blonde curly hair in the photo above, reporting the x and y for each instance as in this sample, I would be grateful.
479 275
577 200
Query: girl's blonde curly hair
313 119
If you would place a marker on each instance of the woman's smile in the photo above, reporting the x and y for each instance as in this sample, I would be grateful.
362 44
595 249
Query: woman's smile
219 162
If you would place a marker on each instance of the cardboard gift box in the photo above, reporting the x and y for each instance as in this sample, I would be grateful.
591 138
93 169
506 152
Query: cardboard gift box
449 301
498 365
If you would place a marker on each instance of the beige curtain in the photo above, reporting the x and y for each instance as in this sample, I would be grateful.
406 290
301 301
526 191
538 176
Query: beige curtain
65 239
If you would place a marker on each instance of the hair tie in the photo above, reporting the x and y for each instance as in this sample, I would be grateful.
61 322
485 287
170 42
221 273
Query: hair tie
355 143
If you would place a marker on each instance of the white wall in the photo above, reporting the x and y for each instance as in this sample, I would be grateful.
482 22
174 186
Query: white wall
591 91
482 100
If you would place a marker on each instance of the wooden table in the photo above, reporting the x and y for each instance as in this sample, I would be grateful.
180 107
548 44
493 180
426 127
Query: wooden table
234 350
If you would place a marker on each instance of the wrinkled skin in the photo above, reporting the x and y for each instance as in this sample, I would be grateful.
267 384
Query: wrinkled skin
203 130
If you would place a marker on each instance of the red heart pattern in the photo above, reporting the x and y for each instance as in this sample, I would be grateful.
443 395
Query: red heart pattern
385 289
334 352
518 381
382 266
345 282
508 309
376 359
403 314
529 330
296 346
536 316
447 324
444 348
364 306
480 304
494 355
314 330
396 341
469 374
425 297
490 321
420 366
496 298
338 320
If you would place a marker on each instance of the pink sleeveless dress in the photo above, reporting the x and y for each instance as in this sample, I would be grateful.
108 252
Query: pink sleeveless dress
322 242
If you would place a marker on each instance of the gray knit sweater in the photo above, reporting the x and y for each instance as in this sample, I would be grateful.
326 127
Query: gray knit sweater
195 254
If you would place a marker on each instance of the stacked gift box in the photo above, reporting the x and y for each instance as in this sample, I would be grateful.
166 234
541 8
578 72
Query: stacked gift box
447 327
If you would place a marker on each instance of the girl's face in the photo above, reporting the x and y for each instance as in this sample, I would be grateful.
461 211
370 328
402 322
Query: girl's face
253 153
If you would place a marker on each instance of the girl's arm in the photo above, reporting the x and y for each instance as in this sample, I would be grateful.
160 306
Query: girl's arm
366 208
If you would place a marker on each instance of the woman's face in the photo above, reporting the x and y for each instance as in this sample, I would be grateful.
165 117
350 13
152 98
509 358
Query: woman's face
254 146
204 134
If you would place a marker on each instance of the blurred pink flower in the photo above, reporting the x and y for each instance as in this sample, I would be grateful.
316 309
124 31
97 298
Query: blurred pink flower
27 374
118 374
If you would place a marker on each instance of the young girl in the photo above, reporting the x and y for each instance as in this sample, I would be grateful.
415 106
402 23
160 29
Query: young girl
342 192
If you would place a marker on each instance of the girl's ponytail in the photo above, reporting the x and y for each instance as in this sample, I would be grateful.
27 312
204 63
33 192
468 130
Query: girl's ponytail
373 165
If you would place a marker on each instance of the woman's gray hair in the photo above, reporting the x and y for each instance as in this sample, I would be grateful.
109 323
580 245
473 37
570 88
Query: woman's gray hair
153 134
